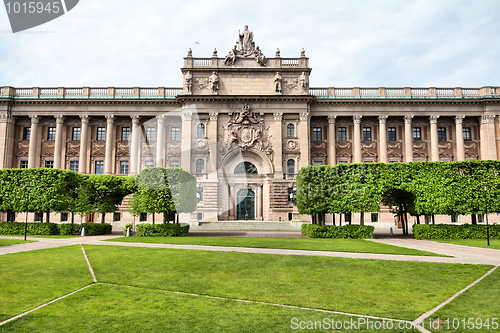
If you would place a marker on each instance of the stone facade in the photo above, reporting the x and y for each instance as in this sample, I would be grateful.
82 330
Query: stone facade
244 125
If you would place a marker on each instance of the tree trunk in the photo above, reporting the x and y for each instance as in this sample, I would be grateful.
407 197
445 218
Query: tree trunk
418 219
72 218
153 218
333 218
474 219
433 220
47 216
177 217
164 217
340 219
362 219
103 218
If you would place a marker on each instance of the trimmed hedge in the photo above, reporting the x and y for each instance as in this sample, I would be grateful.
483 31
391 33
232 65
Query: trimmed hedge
94 229
447 231
161 230
332 231
17 228
70 229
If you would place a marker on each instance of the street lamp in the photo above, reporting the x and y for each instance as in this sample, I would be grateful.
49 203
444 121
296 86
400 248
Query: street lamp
485 188
28 189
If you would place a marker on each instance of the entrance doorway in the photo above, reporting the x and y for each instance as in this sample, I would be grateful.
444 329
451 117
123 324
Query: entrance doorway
246 205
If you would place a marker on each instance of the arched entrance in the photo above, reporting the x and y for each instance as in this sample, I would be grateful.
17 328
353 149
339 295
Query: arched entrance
246 205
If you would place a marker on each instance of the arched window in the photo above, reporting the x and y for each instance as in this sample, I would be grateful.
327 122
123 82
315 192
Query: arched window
290 131
200 166
246 168
200 133
290 167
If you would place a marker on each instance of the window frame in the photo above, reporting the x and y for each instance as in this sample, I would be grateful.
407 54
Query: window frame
201 131
175 134
123 165
442 135
150 134
72 163
290 131
99 166
100 134
367 134
125 134
392 134
467 134
26 136
417 134
317 134
51 134
290 166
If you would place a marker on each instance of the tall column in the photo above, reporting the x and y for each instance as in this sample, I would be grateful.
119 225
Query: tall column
278 145
160 142
186 141
134 145
488 138
58 144
84 137
259 202
332 158
408 139
109 160
460 138
7 129
382 142
434 139
213 144
304 140
357 139
32 158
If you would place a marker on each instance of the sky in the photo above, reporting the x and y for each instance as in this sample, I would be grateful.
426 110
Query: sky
356 43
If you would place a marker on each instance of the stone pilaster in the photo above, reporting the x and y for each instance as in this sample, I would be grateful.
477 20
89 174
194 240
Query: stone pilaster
460 137
84 137
33 161
7 129
434 138
488 138
304 140
109 158
212 135
382 147
134 145
186 141
408 139
357 139
160 142
332 158
278 145
58 162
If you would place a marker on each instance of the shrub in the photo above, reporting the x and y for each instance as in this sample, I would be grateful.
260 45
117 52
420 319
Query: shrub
332 231
128 225
69 229
447 231
161 230
17 228
93 229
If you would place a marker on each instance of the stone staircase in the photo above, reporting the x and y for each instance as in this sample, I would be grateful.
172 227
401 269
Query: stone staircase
246 226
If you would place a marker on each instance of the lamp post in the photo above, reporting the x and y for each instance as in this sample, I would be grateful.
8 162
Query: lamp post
485 188
28 189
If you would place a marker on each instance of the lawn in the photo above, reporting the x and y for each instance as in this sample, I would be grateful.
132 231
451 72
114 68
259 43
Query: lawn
7 242
402 290
316 244
494 243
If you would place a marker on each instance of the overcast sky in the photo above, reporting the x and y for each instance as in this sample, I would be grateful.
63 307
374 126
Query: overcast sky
130 43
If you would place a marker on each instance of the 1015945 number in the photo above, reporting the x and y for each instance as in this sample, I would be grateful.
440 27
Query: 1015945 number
32 7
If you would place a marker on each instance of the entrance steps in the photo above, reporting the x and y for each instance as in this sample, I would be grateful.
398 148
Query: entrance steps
247 226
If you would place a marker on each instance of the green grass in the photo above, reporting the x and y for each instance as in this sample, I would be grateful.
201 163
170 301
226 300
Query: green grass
494 243
105 308
45 236
317 244
33 278
7 242
391 289
481 301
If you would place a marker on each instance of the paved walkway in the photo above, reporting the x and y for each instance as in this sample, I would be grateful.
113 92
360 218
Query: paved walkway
460 254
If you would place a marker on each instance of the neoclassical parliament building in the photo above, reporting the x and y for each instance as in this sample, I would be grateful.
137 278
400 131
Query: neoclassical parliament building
244 124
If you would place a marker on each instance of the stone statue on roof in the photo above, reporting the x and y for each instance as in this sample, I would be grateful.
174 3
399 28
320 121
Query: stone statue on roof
246 43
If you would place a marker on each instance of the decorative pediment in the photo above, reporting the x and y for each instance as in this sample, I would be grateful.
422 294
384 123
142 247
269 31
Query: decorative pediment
394 154
24 153
471 155
98 153
73 153
48 154
344 154
419 154
174 153
368 154
445 155
318 154
123 153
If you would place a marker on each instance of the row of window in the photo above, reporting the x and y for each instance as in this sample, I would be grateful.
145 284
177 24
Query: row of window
317 134
175 133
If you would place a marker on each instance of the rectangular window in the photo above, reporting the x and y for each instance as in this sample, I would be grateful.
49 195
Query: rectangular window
74 166
143 217
123 167
150 134
199 194
199 216
391 134
99 167
51 134
367 134
317 162
417 133
442 134
467 134
23 165
342 162
374 217
76 133
174 164
117 217
26 133
454 218
175 134
200 131
125 134
317 134
342 134
64 217
480 218
290 130
149 164
101 134
49 164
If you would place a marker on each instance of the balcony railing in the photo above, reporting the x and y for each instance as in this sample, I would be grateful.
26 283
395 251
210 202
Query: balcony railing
343 93
90 93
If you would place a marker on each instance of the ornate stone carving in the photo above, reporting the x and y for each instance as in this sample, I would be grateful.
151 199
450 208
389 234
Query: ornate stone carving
488 119
35 119
433 119
332 119
187 116
419 146
48 145
60 119
278 116
135 119
472 146
201 145
201 83
357 119
370 146
72 146
304 116
214 116
85 119
396 146
260 57
244 48
122 146
278 80
446 146
96 146
213 80
110 119
320 146
174 146
304 81
347 145
5 118
409 119
23 146
291 84
292 145
73 153
459 119
188 79
382 119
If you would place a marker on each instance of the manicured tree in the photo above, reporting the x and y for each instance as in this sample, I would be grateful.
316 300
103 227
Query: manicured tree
164 190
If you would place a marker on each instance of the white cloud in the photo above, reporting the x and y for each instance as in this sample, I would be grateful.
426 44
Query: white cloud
349 43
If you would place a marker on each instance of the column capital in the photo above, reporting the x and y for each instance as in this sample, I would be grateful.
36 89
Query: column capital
161 119
332 119
213 116
135 119
304 116
187 116
110 119
408 119
488 119
382 119
278 116
7 119
85 119
35 119
357 119
433 119
60 119
459 119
